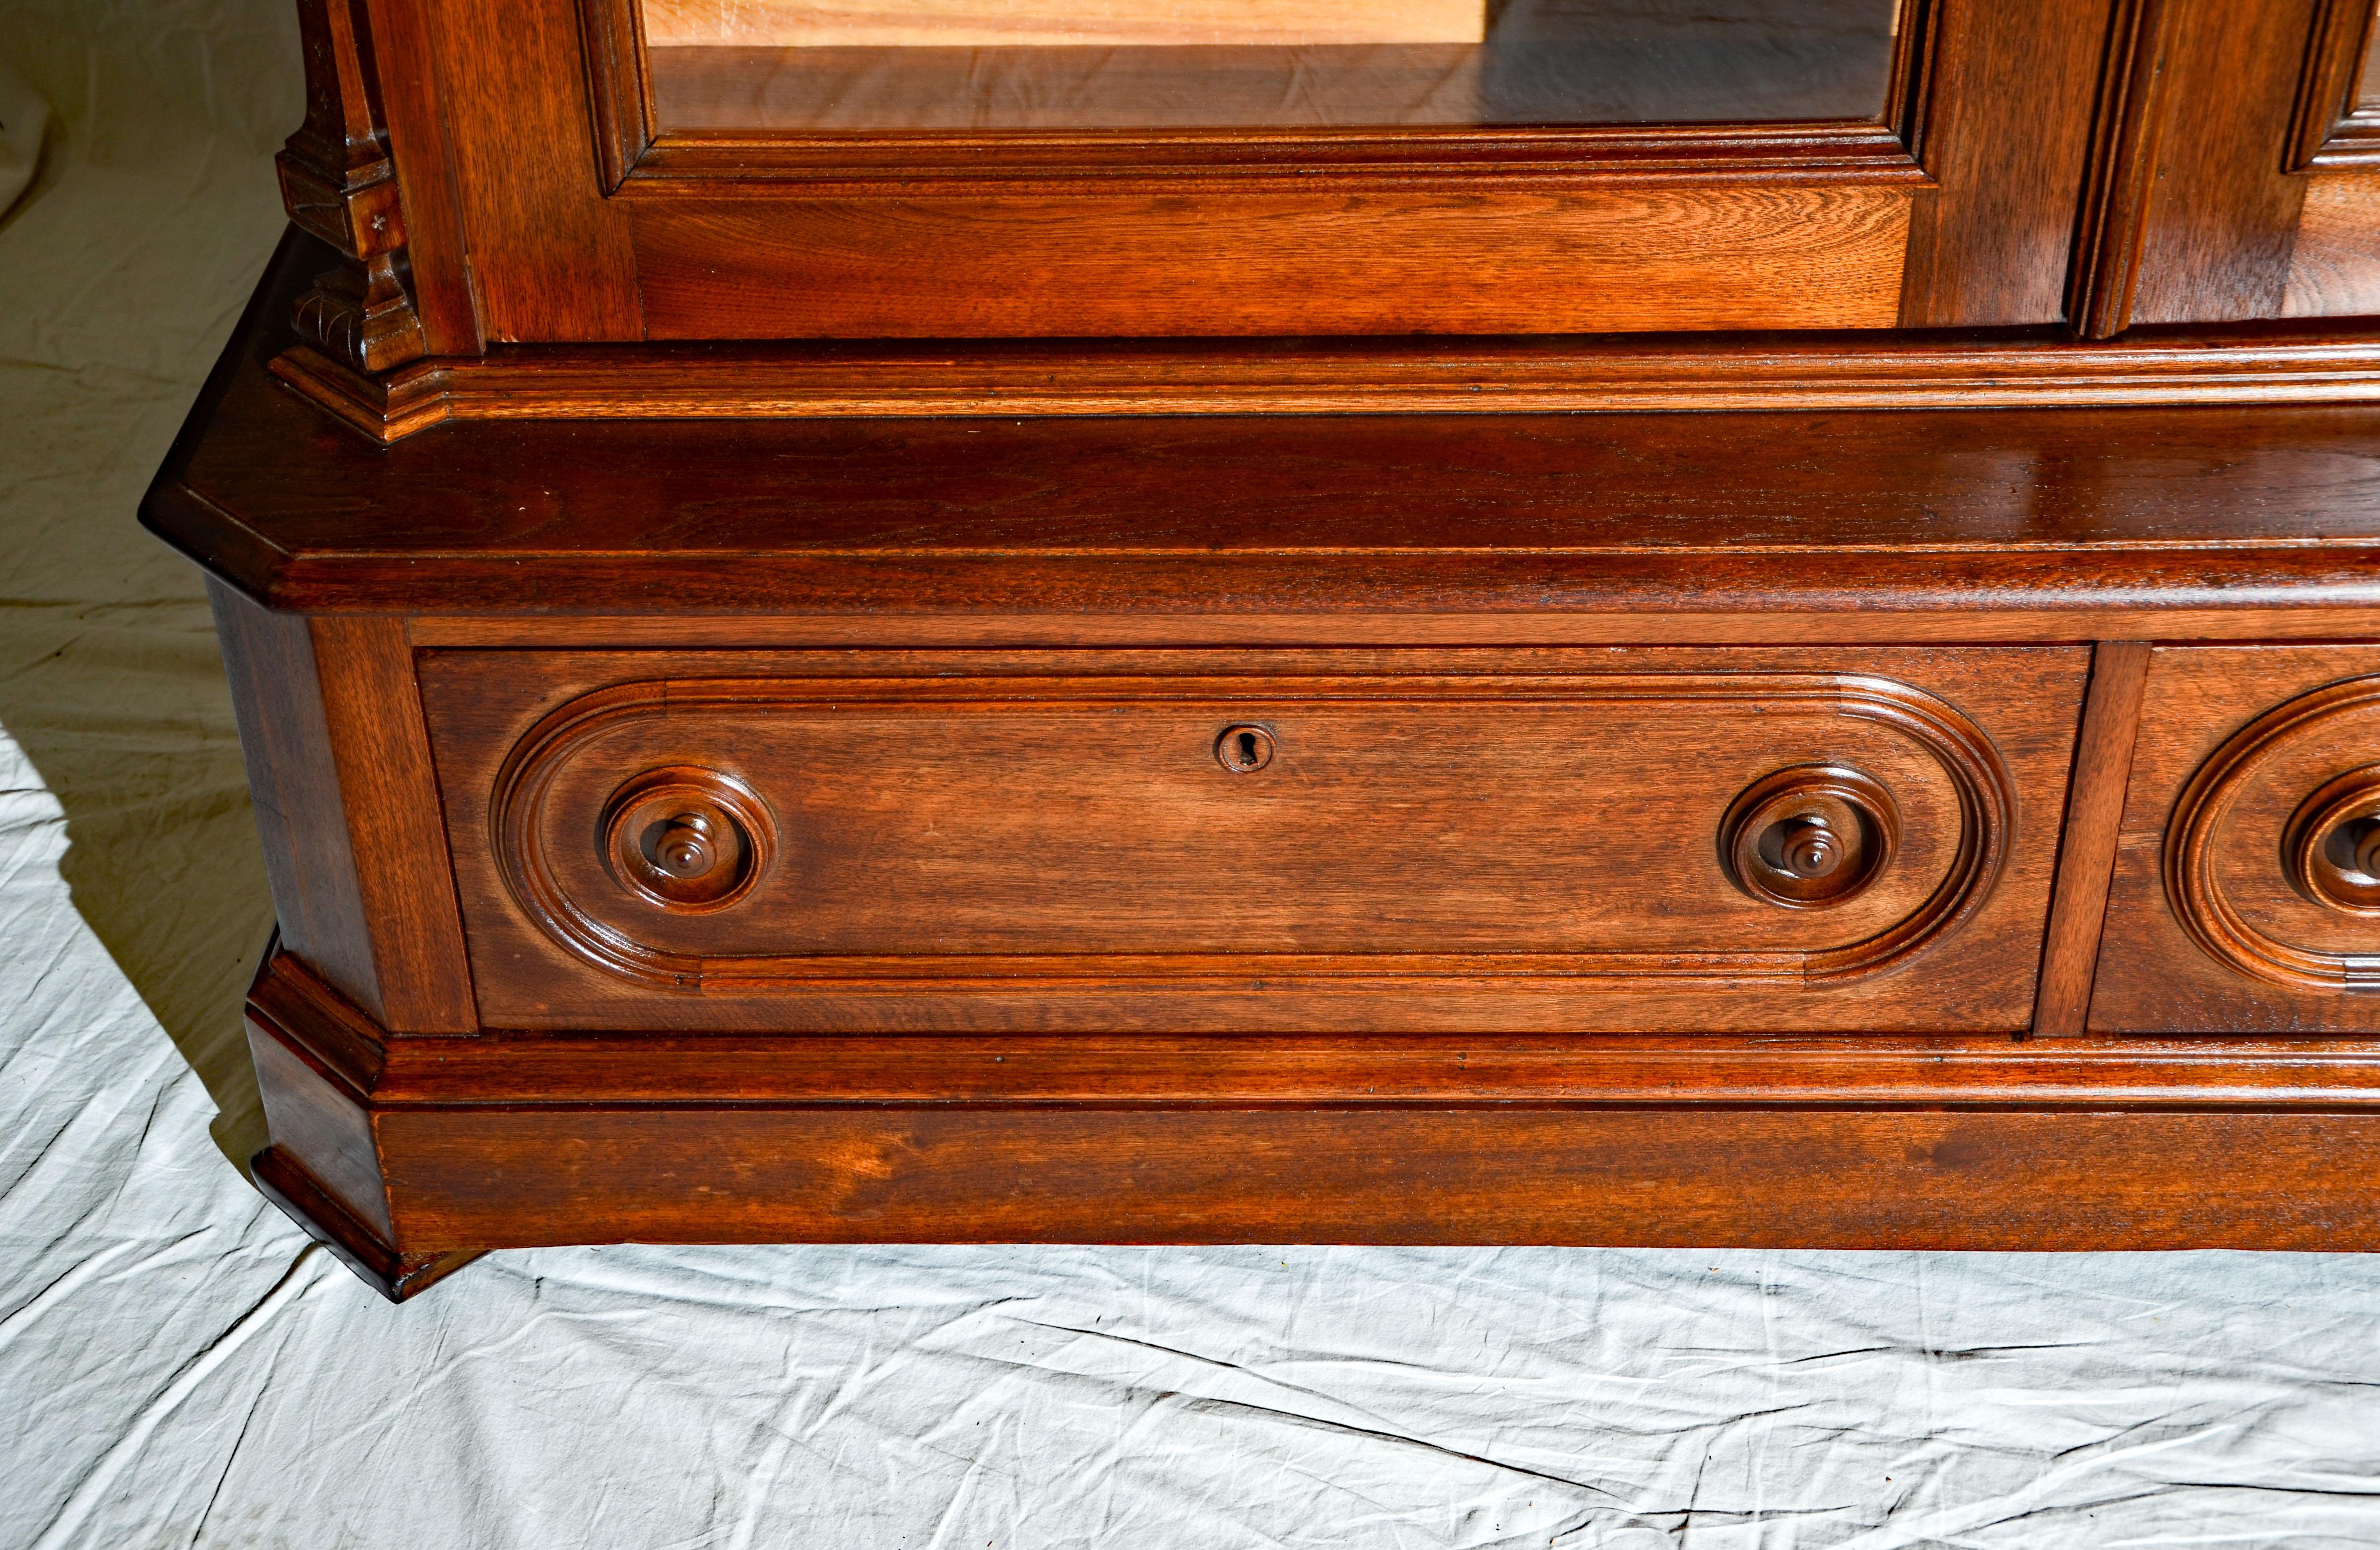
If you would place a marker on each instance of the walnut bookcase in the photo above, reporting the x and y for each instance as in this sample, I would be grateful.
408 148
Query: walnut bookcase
1776 680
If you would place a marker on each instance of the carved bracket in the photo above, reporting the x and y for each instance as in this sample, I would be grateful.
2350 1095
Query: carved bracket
338 182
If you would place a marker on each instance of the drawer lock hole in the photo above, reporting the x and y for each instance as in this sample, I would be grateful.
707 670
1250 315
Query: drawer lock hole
1243 750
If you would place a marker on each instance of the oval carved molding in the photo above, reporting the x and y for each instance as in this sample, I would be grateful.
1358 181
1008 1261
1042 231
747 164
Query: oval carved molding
2193 887
1983 790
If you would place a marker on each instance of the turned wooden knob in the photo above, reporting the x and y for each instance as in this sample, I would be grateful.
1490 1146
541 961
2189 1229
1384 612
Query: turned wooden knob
683 848
1809 836
2331 847
687 840
1809 847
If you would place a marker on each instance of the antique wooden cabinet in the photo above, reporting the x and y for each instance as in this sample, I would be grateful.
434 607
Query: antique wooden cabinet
1473 621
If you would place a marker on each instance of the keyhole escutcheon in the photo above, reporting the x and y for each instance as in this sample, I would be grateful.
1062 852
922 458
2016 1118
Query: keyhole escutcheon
1243 750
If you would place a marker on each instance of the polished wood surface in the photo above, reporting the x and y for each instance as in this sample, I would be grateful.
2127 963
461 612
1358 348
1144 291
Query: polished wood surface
1627 260
2205 928
2086 856
1771 371
1452 839
347 806
879 678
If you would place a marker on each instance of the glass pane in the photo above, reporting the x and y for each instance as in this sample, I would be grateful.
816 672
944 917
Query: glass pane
1022 65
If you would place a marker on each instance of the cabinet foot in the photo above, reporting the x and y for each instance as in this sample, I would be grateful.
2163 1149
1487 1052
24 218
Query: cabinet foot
397 1275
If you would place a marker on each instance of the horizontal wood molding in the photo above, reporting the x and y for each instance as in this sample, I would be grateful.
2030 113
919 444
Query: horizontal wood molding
1466 376
1363 1071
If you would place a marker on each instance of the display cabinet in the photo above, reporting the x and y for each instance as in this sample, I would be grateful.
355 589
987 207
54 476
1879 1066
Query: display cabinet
1555 621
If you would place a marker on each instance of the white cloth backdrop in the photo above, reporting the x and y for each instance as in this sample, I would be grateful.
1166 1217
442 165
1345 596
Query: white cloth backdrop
179 1368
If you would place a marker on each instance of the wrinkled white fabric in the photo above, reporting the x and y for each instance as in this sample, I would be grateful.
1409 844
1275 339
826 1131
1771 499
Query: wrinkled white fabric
179 1368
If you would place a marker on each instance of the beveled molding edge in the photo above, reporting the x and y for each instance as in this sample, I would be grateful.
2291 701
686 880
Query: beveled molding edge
843 379
2134 1072
1980 780
2196 894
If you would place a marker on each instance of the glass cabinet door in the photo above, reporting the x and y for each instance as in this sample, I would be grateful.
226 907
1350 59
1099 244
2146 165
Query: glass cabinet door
975 65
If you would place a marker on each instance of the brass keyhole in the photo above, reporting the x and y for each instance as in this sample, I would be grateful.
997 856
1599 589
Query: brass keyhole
1243 750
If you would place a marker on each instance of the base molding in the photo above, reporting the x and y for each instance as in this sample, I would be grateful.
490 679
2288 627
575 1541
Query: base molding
395 1275
1949 1141
1808 372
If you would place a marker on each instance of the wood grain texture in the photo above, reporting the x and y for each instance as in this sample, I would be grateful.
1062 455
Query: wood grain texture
371 713
1979 1143
2327 88
2004 130
293 780
2222 213
2334 261
2221 512
2152 975
320 1124
397 1277
549 258
2121 175
1529 877
1468 376
437 264
1627 260
2087 852
1866 1181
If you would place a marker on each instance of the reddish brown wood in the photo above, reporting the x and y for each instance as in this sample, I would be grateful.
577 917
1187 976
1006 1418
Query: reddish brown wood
338 182
353 839
1642 257
551 257
2221 213
2106 1144
395 1275
1772 372
2334 261
1249 1069
2205 929
1553 860
2087 852
2005 131
2327 88
2122 171
437 270
1830 1180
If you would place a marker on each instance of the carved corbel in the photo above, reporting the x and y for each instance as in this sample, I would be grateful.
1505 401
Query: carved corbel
338 182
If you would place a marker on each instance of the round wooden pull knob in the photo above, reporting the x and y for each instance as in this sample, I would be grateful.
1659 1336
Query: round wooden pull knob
1809 847
687 840
683 848
1809 836
2331 847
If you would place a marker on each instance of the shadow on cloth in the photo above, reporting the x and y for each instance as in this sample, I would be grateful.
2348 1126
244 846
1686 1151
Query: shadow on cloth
123 267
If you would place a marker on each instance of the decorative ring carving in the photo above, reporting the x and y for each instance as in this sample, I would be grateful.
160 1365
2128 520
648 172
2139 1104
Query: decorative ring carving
2327 848
1809 837
685 840
519 822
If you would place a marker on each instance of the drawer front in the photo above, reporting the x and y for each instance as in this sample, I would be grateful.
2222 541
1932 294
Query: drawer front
1587 840
2240 901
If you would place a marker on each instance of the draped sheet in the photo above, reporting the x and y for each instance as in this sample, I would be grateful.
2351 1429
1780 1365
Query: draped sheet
179 1368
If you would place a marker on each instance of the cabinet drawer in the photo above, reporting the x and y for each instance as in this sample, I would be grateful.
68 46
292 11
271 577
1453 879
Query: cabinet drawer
1586 839
2239 902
